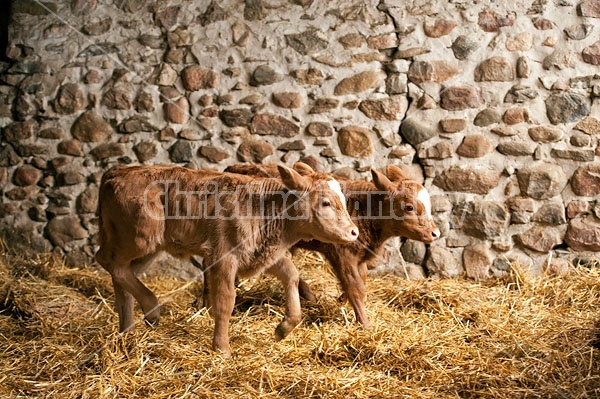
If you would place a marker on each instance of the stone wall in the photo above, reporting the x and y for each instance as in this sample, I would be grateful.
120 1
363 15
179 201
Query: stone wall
494 104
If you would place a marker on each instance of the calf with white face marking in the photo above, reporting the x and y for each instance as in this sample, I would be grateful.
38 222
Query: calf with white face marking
392 205
240 225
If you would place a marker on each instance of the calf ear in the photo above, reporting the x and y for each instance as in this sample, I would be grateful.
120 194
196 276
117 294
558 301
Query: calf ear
292 179
396 174
382 182
303 168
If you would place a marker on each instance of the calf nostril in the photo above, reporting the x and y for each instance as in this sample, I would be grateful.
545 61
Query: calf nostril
435 233
354 233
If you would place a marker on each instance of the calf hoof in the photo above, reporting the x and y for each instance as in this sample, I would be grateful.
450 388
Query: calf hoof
283 329
154 322
306 292
222 349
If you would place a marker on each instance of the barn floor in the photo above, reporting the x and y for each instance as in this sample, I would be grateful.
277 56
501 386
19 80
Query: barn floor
512 338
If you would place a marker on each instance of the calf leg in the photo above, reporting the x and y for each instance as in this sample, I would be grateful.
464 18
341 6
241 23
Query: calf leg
287 273
305 291
124 278
352 276
124 305
206 296
221 294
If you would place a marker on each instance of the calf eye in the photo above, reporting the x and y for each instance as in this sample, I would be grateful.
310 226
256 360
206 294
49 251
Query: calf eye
326 203
410 208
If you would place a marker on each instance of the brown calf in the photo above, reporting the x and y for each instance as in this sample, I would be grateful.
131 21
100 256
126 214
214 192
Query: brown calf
392 205
240 225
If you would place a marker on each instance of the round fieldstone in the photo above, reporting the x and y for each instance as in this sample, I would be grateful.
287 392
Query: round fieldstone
586 180
495 69
542 23
591 54
269 124
296 145
578 31
177 111
481 219
355 141
521 42
513 116
383 42
477 261
474 146
516 148
70 147
108 150
308 42
251 150
388 109
358 83
196 78
441 150
463 46
491 21
117 98
145 150
438 27
453 125
310 76
87 202
487 117
91 128
264 75
551 213
415 132
236 117
520 94
213 154
589 125
52 133
583 234
62 230
545 134
523 67
589 8
458 98
467 179
288 100
542 180
167 75
19 131
144 102
579 155
180 151
541 238
319 129
431 71
413 251
560 59
26 175
566 107
442 263
580 140
69 99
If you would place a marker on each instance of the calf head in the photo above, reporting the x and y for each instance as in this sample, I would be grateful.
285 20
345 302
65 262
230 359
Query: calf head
319 211
409 206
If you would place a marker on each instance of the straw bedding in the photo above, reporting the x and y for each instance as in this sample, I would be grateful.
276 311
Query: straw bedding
510 338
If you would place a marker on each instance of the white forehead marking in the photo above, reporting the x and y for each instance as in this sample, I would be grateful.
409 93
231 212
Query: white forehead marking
335 186
423 196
